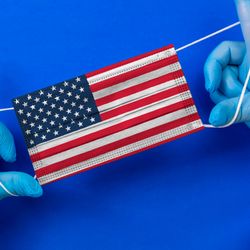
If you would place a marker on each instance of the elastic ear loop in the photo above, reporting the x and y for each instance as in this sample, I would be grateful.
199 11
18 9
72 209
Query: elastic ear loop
179 49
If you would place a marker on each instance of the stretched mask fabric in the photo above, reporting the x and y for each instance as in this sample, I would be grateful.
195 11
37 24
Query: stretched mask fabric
107 114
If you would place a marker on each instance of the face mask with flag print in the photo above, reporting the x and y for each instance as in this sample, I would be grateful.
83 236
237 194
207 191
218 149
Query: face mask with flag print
107 114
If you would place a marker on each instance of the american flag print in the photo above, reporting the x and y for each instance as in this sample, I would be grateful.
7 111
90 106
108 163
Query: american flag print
107 114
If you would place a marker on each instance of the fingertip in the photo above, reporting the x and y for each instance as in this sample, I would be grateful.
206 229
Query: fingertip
224 112
7 145
217 117
28 186
212 73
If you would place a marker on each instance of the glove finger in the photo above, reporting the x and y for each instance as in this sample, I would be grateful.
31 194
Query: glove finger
7 145
217 97
226 53
230 85
20 184
243 70
224 111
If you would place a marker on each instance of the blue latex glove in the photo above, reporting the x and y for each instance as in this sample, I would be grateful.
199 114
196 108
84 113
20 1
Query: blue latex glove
16 182
225 73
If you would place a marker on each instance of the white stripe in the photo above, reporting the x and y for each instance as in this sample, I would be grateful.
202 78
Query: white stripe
121 151
131 66
137 80
114 137
141 94
105 124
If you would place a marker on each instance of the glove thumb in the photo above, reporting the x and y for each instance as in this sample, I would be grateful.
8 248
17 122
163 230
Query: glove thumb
20 184
224 111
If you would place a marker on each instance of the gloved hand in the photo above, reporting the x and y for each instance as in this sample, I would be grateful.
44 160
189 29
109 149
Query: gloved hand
225 73
16 182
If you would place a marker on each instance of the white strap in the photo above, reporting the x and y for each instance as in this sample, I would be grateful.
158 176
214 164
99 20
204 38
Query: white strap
6 109
208 36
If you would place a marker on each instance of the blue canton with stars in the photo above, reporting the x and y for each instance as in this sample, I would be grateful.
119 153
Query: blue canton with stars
56 110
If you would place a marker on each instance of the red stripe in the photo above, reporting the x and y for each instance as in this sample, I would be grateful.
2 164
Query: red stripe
111 130
124 62
138 88
143 102
128 154
133 73
115 145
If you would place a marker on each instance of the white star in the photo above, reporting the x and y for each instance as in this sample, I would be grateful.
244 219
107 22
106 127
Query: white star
85 99
20 111
27 132
61 108
57 98
53 88
37 99
29 97
81 89
31 142
73 86
44 120
77 97
45 103
72 121
60 125
55 133
80 124
28 114
40 110
24 121
36 117
48 113
61 91
41 92
25 104
33 107
64 118
69 94
81 107
68 128
56 116
85 117
76 114
52 105
89 109
92 119
32 125
65 83
44 137
40 127
68 111
48 130
78 79
49 95
73 104
36 134
16 101
52 123
65 101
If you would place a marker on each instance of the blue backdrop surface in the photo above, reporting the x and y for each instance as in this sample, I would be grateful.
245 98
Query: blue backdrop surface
193 193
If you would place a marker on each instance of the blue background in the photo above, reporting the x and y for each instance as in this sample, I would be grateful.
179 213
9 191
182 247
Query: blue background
193 193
